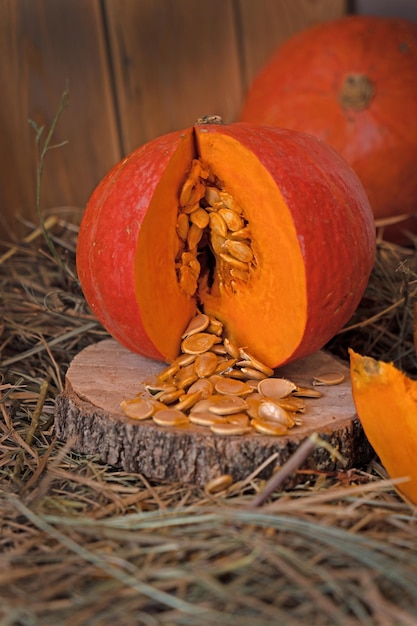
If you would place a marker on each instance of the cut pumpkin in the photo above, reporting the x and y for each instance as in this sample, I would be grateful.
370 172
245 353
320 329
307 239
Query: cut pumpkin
265 229
386 404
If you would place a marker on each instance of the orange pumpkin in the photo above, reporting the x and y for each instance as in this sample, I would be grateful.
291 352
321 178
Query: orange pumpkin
386 403
266 229
351 82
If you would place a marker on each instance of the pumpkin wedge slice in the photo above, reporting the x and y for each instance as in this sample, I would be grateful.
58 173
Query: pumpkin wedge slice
386 404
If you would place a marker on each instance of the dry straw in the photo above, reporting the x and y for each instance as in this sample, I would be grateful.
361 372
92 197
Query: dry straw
84 544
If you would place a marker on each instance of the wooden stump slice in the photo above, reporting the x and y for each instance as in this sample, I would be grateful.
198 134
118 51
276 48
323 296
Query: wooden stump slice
89 417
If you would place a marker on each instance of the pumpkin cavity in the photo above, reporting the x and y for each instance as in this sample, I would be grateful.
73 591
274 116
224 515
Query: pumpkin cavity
215 252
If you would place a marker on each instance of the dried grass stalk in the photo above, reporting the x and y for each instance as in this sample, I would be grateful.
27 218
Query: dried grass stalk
85 544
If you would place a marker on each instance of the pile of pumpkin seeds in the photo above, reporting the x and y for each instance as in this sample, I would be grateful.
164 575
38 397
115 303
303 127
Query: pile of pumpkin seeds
211 230
217 385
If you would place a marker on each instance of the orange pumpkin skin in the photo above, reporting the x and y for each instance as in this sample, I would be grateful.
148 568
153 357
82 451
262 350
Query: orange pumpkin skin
352 83
313 238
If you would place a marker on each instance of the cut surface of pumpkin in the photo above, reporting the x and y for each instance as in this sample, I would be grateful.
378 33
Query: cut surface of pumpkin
266 230
386 404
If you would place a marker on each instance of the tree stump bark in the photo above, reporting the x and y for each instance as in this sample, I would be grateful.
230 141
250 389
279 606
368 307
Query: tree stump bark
89 417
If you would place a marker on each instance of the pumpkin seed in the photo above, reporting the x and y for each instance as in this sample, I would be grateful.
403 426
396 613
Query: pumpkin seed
238 274
205 364
191 194
217 243
183 226
190 208
169 371
195 268
239 419
229 429
170 417
250 372
329 378
218 225
205 418
193 187
137 408
218 484
202 406
188 400
200 218
224 365
215 326
186 376
194 236
212 195
198 343
273 412
157 405
226 404
186 191
239 250
233 261
233 220
187 257
219 349
185 359
230 202
231 348
269 428
253 405
306 392
276 387
158 387
188 282
290 403
168 397
204 386
196 325
255 363
228 386
236 374
243 234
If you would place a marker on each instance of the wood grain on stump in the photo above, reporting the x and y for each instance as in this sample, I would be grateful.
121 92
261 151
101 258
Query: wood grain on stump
88 415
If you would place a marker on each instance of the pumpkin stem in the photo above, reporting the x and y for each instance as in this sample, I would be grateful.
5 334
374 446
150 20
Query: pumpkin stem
357 92
209 119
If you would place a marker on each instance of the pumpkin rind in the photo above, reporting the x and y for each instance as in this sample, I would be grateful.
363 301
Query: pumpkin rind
313 239
108 239
386 404
352 83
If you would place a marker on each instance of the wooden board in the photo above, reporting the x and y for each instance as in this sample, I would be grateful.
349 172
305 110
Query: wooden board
88 415
265 24
135 69
46 46
174 61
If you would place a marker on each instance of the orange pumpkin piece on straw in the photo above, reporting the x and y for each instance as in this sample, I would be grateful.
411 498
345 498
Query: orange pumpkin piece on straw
386 404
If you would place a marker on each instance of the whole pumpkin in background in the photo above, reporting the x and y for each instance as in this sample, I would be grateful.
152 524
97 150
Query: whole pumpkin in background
351 82
268 230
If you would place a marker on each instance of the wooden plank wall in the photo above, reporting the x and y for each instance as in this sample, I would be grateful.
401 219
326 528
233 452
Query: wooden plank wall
135 69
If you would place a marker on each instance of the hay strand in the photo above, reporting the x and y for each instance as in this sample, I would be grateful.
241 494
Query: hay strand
85 544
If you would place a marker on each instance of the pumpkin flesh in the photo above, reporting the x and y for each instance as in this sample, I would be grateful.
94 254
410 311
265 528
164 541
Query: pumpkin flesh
114 255
386 403
311 232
